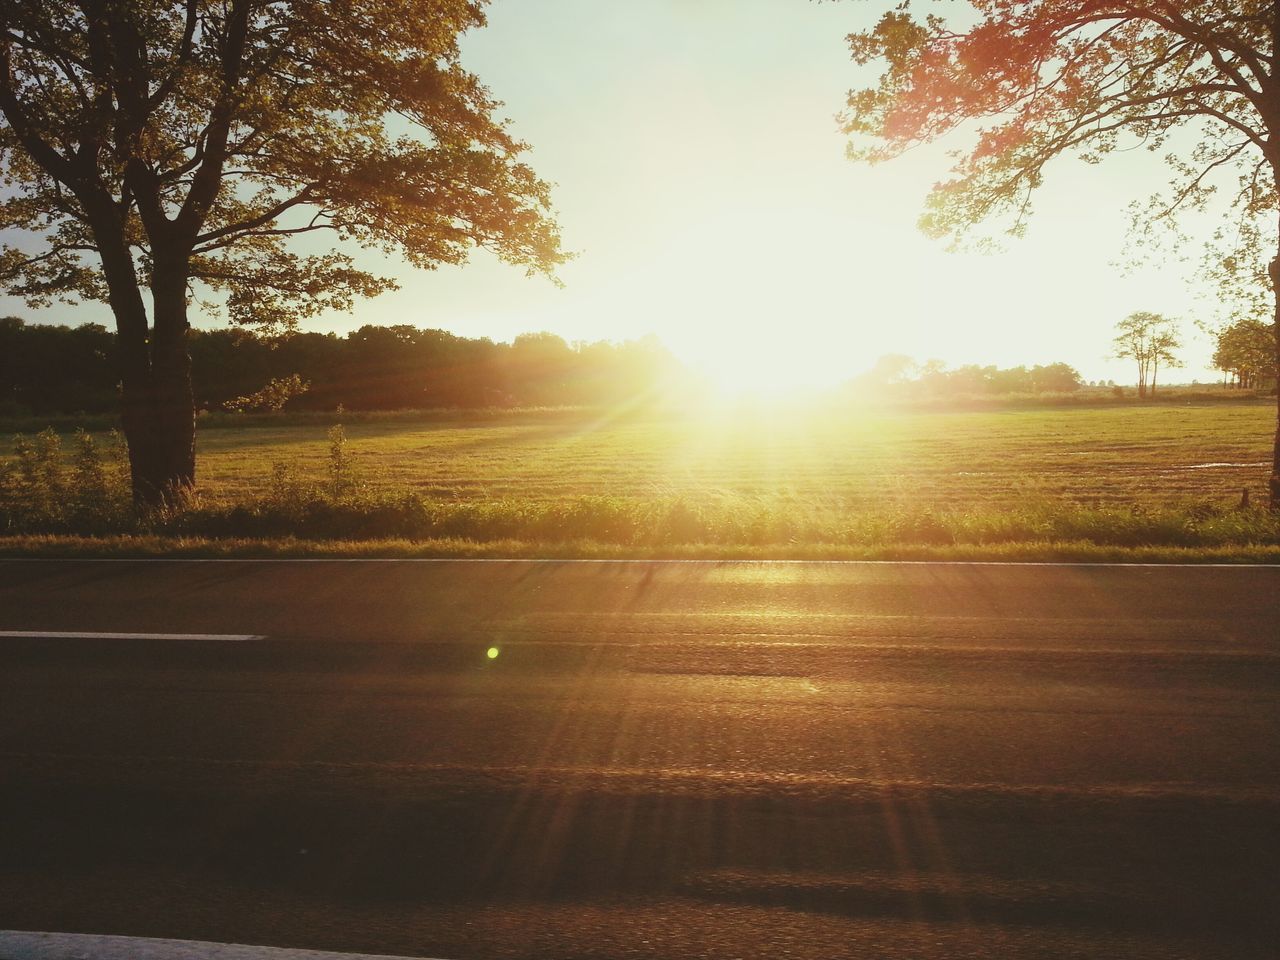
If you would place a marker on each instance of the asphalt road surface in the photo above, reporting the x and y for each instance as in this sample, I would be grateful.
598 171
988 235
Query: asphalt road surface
645 760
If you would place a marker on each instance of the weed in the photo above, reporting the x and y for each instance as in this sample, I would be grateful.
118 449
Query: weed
42 491
341 471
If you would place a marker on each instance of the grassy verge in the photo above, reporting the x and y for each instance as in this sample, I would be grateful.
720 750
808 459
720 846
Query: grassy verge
663 523
195 548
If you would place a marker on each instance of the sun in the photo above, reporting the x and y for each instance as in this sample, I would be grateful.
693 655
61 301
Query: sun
760 361
756 373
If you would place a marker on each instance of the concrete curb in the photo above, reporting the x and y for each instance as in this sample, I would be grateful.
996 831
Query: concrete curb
37 945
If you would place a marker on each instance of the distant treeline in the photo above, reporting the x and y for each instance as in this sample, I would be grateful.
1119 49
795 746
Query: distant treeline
47 369
899 376
57 369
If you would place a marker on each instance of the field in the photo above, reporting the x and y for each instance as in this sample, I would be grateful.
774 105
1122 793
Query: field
774 482
1150 456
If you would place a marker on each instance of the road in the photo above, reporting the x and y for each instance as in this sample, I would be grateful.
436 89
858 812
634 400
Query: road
645 760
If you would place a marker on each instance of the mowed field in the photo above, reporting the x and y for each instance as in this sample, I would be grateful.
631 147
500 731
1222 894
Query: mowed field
1153 455
1047 483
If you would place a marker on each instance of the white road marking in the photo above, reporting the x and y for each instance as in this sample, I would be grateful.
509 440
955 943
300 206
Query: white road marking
89 635
35 945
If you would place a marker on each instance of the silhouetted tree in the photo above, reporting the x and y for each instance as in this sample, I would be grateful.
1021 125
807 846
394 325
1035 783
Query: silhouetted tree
166 143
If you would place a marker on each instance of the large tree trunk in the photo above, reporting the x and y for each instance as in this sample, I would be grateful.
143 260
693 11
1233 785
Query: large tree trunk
158 416
159 427
157 407
168 412
171 364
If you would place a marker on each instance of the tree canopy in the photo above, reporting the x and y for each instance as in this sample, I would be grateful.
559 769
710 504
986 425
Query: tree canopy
1031 80
228 128
1035 79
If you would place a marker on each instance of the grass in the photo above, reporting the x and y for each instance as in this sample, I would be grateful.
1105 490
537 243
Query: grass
142 547
1148 456
1139 482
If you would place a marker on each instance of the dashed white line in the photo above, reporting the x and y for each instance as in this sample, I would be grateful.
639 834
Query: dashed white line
35 945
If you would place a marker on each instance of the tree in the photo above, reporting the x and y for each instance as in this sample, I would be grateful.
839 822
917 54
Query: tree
1133 342
1148 339
1036 79
539 366
1164 340
178 145
889 369
1056 378
1244 350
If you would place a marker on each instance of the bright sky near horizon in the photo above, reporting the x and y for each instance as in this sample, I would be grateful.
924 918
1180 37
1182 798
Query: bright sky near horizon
702 180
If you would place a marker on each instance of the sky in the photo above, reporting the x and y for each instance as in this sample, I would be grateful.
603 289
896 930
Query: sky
702 181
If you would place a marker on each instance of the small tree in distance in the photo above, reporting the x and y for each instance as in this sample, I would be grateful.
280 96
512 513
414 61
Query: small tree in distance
1132 342
1149 340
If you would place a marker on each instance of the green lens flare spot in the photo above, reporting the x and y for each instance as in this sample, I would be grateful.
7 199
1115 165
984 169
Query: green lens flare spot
492 653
